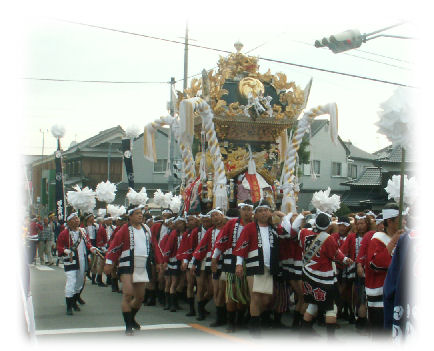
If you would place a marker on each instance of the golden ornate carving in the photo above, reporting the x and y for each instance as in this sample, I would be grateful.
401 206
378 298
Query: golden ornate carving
251 86
279 82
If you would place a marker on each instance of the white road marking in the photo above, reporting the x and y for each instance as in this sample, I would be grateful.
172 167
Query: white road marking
44 268
109 329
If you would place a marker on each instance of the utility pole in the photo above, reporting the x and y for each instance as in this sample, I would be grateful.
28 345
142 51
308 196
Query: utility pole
108 161
185 56
170 181
43 141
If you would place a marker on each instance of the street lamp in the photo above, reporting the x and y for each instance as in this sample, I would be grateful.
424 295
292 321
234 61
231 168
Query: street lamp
352 39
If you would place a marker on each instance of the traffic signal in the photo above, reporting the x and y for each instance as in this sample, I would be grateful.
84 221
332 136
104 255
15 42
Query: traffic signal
350 39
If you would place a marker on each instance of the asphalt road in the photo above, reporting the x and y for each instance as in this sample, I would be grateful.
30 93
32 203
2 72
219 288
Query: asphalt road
101 319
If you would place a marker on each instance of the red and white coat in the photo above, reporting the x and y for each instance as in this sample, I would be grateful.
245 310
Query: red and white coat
377 262
120 250
188 245
64 241
320 269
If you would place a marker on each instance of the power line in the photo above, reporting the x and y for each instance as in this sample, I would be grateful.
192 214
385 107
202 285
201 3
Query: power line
229 52
93 81
391 58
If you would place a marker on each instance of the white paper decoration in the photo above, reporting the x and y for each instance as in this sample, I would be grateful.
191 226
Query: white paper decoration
322 201
106 192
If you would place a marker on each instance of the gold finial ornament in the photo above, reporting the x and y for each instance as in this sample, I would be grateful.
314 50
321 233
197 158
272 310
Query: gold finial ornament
251 86
238 45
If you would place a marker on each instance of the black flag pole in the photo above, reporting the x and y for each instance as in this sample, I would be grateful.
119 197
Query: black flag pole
128 161
60 191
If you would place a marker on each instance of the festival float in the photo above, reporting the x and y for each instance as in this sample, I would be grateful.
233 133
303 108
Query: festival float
231 126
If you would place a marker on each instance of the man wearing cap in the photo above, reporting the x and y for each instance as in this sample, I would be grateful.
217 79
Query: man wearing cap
160 229
204 252
91 231
320 250
134 247
360 243
103 236
258 247
345 274
46 238
378 259
72 244
198 268
172 265
184 255
237 295
33 237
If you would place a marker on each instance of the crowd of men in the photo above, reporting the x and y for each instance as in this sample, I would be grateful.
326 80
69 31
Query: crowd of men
254 262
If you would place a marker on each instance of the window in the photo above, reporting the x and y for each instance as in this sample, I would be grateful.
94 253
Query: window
160 166
316 167
336 169
352 171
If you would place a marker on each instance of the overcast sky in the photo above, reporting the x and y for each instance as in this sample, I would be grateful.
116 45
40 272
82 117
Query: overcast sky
60 50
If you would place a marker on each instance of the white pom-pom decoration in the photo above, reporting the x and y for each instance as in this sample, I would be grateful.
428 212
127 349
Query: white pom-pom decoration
106 192
175 203
137 198
132 132
82 199
116 211
58 131
159 198
322 201
101 212
410 189
396 121
167 199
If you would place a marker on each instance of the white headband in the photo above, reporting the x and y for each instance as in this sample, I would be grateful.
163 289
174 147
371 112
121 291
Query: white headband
370 213
215 210
261 206
242 204
360 217
72 215
390 213
88 216
379 220
204 215
344 223
180 219
139 207
167 211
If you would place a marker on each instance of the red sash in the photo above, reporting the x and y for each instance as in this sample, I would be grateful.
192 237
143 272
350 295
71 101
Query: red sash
254 187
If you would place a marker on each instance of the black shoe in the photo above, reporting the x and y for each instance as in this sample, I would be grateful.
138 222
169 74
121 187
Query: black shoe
80 300
266 321
220 320
255 326
99 281
160 297
168 301
146 297
231 322
152 301
69 306
178 297
128 323
134 323
173 302
74 303
115 285
109 280
93 279
192 312
296 322
200 311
